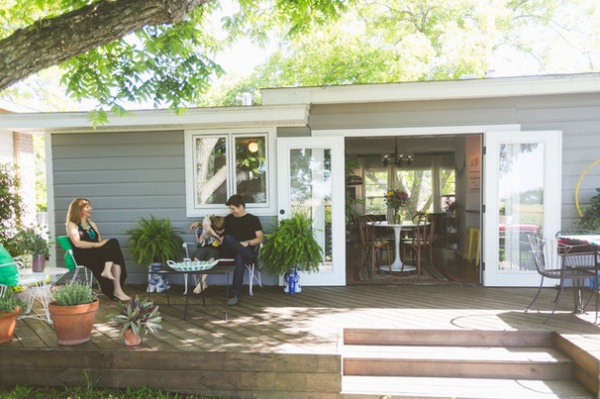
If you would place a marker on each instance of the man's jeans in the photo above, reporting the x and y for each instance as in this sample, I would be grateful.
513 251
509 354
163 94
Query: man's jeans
241 255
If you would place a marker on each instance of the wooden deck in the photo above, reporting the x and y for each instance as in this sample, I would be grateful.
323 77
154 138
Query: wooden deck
272 324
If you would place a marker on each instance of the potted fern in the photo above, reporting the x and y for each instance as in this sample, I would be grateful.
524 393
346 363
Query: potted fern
73 313
135 318
154 241
290 248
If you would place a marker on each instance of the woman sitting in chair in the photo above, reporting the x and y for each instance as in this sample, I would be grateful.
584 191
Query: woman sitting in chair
102 256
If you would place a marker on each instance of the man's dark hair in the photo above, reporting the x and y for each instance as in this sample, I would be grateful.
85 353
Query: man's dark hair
236 200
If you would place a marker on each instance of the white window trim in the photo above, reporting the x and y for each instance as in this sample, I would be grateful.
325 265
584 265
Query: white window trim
267 209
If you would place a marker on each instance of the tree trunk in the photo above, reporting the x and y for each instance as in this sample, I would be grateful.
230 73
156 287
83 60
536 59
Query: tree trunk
49 42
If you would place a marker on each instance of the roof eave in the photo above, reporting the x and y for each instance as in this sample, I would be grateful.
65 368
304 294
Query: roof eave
436 90
226 117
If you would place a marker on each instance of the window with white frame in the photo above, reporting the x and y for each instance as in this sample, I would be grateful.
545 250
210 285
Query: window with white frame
226 162
429 182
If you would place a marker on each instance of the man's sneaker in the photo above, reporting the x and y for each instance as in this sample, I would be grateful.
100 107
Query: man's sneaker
232 301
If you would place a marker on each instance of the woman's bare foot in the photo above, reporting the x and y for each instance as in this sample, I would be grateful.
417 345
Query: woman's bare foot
107 274
121 296
202 286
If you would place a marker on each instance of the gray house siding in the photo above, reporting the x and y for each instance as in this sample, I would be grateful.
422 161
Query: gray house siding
127 176
576 115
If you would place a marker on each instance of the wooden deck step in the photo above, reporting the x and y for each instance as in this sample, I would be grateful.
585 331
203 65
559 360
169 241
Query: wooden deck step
456 361
359 387
457 364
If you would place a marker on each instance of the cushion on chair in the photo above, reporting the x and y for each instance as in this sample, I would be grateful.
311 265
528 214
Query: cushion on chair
9 275
65 244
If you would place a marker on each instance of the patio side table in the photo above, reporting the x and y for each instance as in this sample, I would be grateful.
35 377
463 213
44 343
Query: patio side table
221 268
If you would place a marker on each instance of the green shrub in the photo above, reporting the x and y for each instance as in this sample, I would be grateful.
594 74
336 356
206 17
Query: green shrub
11 204
591 214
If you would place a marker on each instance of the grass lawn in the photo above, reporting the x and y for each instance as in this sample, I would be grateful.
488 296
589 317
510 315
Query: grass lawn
25 392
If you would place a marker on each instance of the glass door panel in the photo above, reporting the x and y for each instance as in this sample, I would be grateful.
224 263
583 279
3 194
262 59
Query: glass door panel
521 198
311 180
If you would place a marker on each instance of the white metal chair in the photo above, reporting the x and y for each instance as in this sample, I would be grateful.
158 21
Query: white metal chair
37 286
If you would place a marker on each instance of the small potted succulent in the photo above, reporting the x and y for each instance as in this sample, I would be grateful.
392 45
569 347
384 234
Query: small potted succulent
73 313
10 306
136 318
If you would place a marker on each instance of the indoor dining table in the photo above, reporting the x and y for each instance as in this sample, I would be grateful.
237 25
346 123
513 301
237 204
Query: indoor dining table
398 227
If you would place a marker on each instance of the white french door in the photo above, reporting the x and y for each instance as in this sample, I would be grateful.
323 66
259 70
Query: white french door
310 178
522 195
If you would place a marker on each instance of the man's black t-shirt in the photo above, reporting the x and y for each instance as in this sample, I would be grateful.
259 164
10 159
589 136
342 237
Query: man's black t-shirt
242 228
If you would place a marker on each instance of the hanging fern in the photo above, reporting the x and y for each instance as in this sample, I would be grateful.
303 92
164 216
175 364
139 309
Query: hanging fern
292 245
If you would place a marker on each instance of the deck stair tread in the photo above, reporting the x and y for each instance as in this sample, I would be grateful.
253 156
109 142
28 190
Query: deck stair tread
495 354
361 387
461 364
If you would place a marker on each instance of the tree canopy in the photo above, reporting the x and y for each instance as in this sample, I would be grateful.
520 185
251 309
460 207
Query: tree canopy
413 40
162 52
134 50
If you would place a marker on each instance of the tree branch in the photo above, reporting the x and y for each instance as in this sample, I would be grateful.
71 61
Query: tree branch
49 42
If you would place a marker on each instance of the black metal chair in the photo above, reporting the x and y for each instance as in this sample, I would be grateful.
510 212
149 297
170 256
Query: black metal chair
563 262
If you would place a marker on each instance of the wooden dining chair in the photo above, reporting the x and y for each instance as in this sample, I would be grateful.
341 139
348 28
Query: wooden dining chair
420 239
371 246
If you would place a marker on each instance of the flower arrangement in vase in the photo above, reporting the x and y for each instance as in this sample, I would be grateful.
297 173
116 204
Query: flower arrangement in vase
397 200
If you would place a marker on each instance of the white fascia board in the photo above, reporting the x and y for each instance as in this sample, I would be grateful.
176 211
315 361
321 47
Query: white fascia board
436 90
287 115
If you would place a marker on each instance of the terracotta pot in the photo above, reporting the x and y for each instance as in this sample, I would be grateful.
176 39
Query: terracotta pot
131 338
38 263
73 324
8 322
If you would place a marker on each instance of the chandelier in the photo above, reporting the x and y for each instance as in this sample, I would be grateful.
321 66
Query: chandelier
397 159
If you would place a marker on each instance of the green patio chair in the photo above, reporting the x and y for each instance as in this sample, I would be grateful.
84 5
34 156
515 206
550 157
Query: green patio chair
71 262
